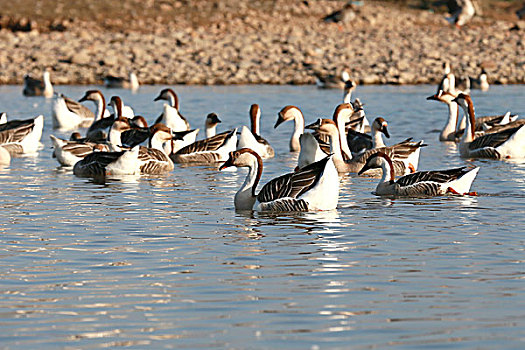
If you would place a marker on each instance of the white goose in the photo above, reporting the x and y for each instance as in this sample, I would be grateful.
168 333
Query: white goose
314 187
292 113
153 159
508 143
407 152
421 183
171 116
37 87
68 114
210 150
251 138
22 136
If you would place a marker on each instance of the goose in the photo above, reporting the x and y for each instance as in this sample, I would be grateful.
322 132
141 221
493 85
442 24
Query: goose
407 152
36 87
359 112
68 114
292 113
462 13
251 138
153 159
102 164
481 82
125 111
314 187
360 142
484 125
68 152
22 136
98 130
332 81
210 124
508 143
5 157
210 150
421 183
171 116
131 83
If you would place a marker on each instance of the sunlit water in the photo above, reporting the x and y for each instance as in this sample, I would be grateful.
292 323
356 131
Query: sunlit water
166 262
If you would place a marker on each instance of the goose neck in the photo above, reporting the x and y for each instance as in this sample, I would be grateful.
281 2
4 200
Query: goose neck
245 197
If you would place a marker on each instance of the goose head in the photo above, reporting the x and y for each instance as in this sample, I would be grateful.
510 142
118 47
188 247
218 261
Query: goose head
376 160
380 125
165 94
288 113
161 132
244 157
343 112
92 95
212 120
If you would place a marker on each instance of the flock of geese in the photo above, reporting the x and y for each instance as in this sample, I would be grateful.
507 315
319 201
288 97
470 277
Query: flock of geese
118 142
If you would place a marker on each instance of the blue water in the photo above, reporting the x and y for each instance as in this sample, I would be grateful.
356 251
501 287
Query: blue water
166 262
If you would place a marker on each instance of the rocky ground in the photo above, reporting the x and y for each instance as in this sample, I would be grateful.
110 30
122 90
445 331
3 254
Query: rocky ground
274 42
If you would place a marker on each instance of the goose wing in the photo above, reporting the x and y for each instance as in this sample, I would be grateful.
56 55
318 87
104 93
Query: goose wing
436 176
358 141
79 149
12 124
101 159
79 109
207 145
135 136
293 185
15 134
492 140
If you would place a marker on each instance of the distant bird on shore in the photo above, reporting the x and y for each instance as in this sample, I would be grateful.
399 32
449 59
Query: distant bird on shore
332 81
37 87
462 11
344 15
131 83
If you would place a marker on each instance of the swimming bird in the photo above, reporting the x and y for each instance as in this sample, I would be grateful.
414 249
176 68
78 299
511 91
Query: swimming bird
332 81
153 159
210 150
407 152
103 119
480 82
102 164
508 143
171 116
68 114
22 136
132 82
421 183
68 152
292 113
37 87
484 124
251 138
313 187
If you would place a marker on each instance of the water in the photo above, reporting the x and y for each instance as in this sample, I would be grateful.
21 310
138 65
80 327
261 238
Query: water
166 262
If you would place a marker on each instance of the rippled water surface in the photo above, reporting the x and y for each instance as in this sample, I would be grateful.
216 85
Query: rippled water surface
166 262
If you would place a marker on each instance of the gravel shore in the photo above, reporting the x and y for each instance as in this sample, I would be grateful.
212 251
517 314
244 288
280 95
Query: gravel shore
287 44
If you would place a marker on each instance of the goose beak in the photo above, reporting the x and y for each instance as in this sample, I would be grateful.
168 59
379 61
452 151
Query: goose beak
365 168
158 98
433 97
227 164
279 121
83 98
385 131
314 126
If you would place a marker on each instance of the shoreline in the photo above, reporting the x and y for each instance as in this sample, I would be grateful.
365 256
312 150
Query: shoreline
289 45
